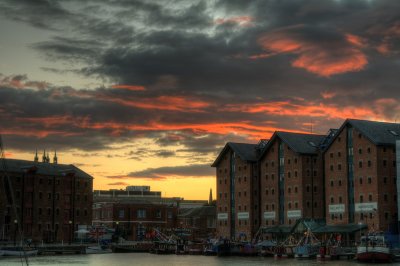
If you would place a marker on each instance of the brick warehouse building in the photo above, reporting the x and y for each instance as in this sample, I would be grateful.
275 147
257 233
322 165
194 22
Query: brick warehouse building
238 190
291 179
360 168
52 200
348 177
135 219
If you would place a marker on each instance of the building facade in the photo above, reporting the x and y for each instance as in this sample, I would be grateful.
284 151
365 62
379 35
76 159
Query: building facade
51 200
291 175
360 167
238 190
135 220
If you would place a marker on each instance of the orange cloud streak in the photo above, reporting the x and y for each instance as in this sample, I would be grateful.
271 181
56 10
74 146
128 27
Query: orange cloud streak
312 56
129 87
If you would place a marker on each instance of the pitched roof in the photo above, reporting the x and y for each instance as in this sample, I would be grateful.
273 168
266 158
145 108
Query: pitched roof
18 166
298 142
247 152
380 133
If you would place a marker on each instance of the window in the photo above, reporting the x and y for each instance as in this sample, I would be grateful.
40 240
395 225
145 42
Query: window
49 196
272 191
361 198
315 188
288 161
288 174
331 154
369 150
273 206
369 180
266 192
331 183
296 204
332 200
295 160
295 189
340 183
361 180
295 173
289 190
339 154
290 205
369 163
384 149
49 181
385 197
359 151
308 188
77 213
340 199
315 204
339 167
141 213
370 197
384 163
360 164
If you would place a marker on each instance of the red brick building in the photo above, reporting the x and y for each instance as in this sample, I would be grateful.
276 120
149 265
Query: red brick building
237 190
291 179
360 169
51 200
200 222
132 220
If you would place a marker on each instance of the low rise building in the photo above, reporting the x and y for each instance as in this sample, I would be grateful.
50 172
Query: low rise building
135 220
51 200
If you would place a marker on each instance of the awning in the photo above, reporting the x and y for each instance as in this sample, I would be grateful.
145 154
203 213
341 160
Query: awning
342 228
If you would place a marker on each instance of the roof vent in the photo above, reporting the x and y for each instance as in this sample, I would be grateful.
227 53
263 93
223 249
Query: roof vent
394 133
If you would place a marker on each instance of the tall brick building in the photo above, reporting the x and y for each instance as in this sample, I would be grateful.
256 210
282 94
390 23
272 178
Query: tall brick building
238 190
360 169
291 179
51 199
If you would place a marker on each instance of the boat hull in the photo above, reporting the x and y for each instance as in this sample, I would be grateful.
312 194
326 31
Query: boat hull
18 253
373 254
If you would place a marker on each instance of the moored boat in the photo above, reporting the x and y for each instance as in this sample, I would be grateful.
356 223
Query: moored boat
266 248
18 251
373 248
308 246
98 249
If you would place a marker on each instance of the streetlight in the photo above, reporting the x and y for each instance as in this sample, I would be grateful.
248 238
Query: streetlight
70 231
15 232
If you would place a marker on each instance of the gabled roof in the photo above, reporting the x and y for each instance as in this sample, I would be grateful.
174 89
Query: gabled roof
379 133
304 224
298 142
246 152
19 166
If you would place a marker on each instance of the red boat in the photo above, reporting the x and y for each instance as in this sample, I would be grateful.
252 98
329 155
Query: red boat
373 248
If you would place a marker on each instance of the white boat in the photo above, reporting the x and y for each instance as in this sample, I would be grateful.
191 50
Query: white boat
373 248
18 251
97 250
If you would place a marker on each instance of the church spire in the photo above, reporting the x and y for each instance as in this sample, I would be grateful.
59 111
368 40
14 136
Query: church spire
36 157
210 198
55 160
44 156
48 157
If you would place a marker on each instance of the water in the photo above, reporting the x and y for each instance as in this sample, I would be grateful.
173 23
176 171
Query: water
133 259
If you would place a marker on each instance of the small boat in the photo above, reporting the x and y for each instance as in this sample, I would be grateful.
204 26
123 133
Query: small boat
246 249
195 248
163 247
266 248
308 246
224 247
98 249
286 248
18 251
210 248
373 248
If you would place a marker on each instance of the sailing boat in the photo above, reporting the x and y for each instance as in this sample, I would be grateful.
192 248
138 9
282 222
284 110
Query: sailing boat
308 246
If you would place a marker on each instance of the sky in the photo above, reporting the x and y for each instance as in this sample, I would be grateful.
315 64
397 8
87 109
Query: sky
141 92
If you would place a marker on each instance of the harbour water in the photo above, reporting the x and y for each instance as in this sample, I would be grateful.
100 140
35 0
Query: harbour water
130 259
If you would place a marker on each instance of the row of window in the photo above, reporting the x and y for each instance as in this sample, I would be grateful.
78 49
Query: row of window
49 195
50 181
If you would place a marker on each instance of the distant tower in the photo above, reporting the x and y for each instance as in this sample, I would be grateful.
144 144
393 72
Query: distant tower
48 158
36 157
44 156
210 199
55 160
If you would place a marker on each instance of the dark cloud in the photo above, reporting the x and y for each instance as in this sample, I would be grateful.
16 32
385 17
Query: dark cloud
211 72
196 170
